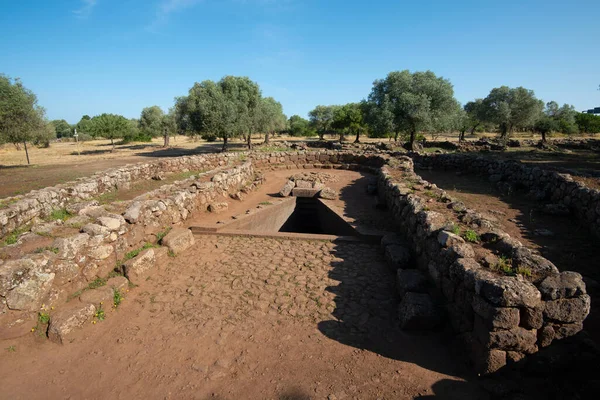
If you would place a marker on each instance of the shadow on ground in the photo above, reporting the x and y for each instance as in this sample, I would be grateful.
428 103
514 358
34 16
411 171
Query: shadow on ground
570 247
366 318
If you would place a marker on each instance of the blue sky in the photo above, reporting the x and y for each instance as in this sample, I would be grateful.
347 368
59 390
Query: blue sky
118 56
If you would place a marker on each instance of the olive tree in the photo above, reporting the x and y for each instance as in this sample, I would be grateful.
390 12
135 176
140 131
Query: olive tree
208 110
110 126
349 119
511 108
22 120
321 118
150 121
406 102
270 117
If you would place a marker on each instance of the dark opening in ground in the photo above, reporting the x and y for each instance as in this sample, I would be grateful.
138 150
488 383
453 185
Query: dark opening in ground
312 216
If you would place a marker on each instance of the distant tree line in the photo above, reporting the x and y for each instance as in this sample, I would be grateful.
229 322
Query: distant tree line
404 105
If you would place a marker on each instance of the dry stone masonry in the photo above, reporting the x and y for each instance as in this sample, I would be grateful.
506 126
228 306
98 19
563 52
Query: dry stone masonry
500 318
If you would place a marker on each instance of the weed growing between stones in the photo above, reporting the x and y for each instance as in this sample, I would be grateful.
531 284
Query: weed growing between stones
14 236
134 253
471 236
11 349
96 283
160 235
49 248
117 298
60 214
99 315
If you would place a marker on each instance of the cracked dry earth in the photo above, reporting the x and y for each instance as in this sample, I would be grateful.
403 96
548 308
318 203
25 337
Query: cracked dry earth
247 318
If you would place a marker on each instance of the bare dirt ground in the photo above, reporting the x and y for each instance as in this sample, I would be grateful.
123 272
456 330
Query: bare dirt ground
246 318
569 247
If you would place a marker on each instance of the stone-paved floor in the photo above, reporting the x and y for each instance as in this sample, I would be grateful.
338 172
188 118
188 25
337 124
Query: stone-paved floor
239 317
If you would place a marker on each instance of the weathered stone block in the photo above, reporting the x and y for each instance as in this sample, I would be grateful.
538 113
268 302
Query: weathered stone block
178 240
546 335
64 271
568 310
508 291
448 239
328 194
112 224
28 295
397 256
287 189
63 322
305 192
566 285
532 318
410 280
496 318
418 312
218 207
133 212
101 252
516 339
69 247
139 267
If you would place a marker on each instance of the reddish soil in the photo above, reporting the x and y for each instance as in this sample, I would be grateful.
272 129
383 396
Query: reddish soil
570 247
248 318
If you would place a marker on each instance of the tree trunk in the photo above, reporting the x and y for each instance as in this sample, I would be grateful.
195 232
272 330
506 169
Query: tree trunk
321 135
26 152
249 141
112 143
166 139
461 136
396 136
224 149
357 136
411 146
267 137
544 137
341 137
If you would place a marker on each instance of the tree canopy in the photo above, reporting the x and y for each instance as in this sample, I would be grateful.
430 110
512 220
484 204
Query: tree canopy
349 118
321 119
22 120
62 128
231 107
111 126
406 102
511 108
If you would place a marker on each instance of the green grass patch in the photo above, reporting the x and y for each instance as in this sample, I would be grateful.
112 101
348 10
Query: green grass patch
107 197
60 214
14 236
134 253
117 298
43 318
96 283
265 203
471 236
455 229
160 235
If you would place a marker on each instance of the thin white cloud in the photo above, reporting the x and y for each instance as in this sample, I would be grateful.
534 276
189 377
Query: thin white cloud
167 7
87 6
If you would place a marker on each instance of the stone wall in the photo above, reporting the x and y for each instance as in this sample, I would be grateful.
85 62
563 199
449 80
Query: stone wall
559 190
97 241
499 319
18 211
